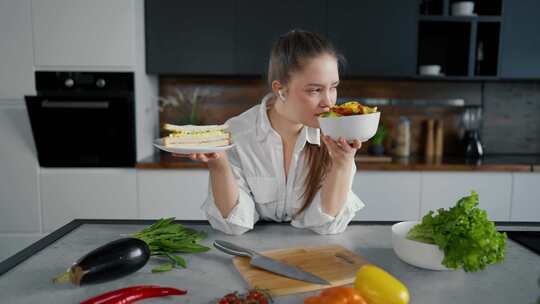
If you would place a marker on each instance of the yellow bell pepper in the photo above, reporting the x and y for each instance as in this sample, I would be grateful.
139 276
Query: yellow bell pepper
379 287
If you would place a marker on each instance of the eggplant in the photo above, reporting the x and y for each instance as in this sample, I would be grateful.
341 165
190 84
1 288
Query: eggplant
108 262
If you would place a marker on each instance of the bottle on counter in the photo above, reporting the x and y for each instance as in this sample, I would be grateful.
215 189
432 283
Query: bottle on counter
439 138
403 138
429 150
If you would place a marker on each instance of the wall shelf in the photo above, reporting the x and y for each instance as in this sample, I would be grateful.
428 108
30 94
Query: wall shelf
436 18
466 47
443 7
456 78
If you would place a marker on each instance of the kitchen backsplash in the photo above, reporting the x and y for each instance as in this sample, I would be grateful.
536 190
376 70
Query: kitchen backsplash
512 118
510 109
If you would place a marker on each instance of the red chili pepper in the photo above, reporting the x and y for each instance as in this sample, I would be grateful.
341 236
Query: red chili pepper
145 293
133 293
115 293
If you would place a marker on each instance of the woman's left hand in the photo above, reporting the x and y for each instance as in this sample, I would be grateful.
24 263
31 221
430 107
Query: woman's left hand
341 152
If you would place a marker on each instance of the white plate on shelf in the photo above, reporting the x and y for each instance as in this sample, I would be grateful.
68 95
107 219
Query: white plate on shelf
158 143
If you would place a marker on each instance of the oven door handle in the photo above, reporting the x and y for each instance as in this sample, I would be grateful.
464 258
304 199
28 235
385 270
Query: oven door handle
75 105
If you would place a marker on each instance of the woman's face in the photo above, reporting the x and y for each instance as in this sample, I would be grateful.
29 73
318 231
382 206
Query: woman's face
312 90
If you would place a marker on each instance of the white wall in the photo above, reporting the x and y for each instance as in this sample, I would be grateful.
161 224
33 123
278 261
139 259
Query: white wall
80 34
16 55
20 208
72 35
146 91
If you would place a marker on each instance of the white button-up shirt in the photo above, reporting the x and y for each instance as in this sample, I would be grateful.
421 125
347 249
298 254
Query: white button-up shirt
264 192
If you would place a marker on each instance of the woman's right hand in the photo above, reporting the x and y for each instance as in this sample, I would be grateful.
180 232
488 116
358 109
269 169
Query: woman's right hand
204 157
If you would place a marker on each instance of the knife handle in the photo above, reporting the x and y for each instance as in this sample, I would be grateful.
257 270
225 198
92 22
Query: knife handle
233 249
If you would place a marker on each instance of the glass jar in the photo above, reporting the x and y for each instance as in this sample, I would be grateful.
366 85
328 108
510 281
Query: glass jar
403 138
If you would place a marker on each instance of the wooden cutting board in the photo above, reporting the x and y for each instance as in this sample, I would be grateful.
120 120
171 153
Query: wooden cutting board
333 263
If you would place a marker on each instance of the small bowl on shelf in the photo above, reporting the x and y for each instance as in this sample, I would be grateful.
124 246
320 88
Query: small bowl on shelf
423 255
463 8
430 70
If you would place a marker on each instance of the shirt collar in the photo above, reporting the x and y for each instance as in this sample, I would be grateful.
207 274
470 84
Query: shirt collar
263 126
311 135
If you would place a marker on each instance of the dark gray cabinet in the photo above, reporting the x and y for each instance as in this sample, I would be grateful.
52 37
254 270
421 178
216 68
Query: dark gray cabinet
190 37
212 37
377 37
520 53
260 23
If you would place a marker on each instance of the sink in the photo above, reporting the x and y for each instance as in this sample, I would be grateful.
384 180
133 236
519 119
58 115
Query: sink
529 239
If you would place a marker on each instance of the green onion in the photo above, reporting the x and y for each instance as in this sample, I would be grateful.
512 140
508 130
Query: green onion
165 238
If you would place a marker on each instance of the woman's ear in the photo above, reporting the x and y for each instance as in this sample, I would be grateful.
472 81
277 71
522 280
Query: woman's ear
277 88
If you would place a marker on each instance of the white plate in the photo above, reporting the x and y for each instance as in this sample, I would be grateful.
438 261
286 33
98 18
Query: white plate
158 143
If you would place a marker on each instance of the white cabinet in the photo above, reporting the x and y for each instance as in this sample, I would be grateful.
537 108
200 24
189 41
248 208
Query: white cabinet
83 34
19 192
16 57
526 197
100 193
388 196
443 190
167 193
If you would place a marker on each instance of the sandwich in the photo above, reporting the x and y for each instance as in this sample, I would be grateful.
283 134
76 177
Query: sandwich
196 136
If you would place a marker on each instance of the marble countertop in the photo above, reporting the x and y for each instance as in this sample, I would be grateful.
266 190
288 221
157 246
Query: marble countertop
212 274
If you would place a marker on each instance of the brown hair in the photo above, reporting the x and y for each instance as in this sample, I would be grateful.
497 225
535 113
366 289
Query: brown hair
291 52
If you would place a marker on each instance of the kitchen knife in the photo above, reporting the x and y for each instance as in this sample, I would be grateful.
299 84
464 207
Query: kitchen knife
266 263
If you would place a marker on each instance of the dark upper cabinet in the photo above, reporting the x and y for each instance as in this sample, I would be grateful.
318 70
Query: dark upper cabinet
520 50
260 23
377 37
190 37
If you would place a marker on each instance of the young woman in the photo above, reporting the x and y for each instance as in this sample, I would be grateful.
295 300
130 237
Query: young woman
281 167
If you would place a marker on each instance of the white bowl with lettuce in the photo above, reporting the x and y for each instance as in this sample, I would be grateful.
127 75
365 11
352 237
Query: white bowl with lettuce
419 254
460 237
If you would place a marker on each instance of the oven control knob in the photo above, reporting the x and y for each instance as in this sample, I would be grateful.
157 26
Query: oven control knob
69 82
100 83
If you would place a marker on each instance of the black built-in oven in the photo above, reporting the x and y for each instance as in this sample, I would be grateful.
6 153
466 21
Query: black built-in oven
83 119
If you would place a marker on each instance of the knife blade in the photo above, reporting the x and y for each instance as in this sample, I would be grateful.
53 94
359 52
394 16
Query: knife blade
269 264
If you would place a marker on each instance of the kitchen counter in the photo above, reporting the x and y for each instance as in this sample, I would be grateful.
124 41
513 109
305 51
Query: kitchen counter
499 163
212 274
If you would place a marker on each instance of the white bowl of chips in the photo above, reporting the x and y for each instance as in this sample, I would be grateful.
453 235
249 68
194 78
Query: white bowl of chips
350 121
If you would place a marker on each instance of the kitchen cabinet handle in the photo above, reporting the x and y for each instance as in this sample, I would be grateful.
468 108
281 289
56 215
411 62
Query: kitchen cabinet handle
75 105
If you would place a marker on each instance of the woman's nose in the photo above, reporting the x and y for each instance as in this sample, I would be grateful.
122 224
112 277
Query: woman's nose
326 100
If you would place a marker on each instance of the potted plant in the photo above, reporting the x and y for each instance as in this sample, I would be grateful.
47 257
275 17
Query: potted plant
376 146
